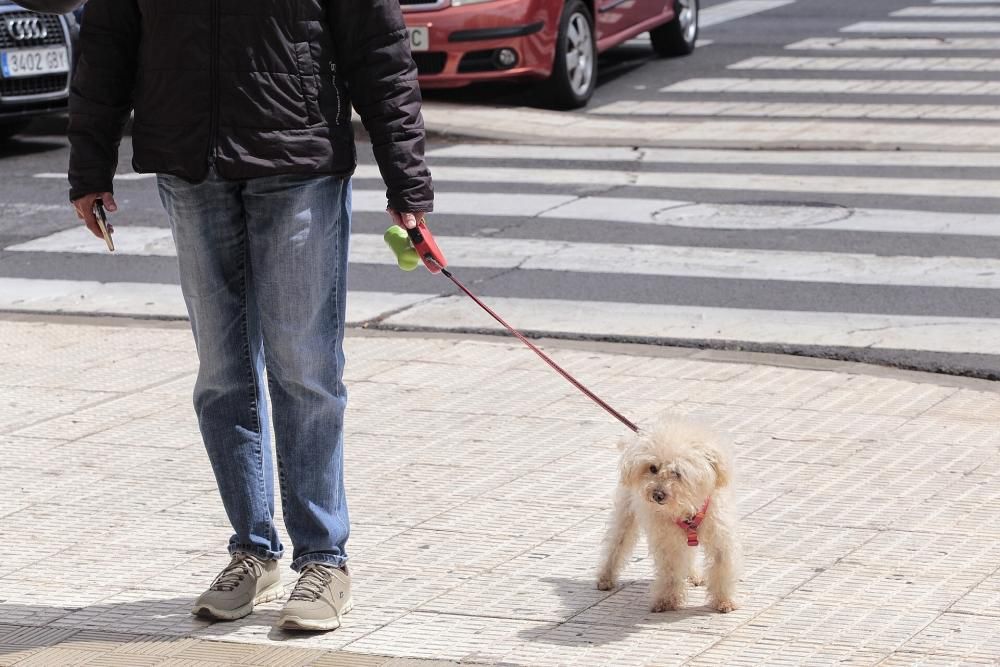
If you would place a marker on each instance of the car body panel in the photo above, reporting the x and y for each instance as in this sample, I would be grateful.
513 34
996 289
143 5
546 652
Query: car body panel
460 38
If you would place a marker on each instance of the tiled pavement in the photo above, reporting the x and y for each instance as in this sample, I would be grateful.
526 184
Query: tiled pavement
870 508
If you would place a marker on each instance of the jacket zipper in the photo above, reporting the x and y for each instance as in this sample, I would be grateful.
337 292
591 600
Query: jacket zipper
336 91
213 135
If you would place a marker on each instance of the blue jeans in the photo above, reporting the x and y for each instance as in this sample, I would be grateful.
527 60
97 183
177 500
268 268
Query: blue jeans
263 267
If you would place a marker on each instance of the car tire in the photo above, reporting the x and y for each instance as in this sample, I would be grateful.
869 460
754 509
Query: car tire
574 71
11 127
678 37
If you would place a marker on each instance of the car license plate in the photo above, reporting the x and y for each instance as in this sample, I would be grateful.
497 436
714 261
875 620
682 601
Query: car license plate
31 62
420 38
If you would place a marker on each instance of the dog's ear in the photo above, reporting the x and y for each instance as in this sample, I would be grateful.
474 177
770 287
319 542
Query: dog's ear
722 466
635 460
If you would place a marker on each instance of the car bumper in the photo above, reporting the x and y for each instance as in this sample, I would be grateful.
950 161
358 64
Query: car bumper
464 42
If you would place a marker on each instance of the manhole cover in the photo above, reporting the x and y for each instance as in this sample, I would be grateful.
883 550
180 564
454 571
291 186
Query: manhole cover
751 216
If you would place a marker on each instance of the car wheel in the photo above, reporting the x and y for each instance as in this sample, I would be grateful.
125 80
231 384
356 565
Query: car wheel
677 38
9 128
574 72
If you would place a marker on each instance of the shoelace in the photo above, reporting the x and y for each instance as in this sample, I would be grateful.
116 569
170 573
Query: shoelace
241 566
312 581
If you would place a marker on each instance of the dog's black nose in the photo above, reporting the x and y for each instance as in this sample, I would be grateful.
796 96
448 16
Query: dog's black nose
659 496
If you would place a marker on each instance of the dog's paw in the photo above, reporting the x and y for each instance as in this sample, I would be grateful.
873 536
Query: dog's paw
724 606
605 583
696 579
668 603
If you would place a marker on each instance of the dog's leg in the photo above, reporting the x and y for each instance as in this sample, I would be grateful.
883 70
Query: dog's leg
722 551
619 540
672 568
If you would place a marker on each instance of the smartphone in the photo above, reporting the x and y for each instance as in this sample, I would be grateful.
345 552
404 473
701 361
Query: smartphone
102 222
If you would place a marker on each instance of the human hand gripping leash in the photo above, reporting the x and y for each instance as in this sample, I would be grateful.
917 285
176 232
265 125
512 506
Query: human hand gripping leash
413 245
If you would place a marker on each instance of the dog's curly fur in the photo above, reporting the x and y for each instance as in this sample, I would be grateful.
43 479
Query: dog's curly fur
666 474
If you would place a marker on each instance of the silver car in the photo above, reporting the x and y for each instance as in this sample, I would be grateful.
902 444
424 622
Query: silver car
36 56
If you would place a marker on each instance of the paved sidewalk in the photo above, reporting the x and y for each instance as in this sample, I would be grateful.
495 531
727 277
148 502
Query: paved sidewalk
479 484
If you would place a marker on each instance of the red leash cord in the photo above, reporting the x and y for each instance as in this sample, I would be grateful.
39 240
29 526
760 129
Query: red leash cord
427 249
534 348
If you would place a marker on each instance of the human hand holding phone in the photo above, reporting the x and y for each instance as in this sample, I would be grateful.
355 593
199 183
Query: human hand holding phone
90 208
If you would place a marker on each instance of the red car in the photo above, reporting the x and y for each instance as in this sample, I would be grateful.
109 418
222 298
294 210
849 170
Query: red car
457 42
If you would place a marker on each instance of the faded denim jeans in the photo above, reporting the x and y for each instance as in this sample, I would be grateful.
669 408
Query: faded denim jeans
263 267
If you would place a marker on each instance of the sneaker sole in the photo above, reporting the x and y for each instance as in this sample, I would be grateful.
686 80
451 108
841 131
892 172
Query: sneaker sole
314 625
273 592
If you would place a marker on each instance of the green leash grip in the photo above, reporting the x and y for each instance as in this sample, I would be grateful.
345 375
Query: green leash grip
399 242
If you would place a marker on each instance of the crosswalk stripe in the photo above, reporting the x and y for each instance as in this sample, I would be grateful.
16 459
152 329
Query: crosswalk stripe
833 86
652 321
634 320
921 187
936 27
530 204
868 64
896 44
631 259
737 9
800 110
965 2
718 156
154 299
56 175
668 212
458 203
947 12
761 217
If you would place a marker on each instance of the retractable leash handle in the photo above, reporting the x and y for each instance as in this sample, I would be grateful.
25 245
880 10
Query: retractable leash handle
426 248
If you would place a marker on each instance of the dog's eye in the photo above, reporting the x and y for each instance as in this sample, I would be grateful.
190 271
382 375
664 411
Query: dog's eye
654 469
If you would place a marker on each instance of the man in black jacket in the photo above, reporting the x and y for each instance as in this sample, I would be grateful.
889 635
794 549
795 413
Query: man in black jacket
243 110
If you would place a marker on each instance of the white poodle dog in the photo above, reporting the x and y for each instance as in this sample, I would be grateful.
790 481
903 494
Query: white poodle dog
675 484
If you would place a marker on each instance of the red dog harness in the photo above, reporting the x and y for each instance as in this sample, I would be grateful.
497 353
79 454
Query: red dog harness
690 526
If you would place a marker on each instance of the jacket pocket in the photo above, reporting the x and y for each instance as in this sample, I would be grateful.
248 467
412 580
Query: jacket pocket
308 82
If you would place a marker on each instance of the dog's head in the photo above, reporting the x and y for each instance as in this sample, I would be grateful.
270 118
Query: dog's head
675 465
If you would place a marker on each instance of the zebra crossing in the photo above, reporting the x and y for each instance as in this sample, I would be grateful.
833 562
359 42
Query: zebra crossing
853 253
597 242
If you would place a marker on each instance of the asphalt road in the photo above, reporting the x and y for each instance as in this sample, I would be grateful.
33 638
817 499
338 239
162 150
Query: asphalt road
730 217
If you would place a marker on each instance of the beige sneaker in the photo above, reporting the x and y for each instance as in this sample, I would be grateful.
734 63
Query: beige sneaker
321 597
246 581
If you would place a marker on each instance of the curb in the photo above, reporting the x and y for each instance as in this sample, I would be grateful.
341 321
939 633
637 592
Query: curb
729 354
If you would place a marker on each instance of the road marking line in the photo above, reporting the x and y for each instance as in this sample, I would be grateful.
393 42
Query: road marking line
650 321
643 41
801 110
763 217
638 320
920 187
717 156
154 299
833 86
936 27
948 12
896 44
624 259
737 9
869 64
118 177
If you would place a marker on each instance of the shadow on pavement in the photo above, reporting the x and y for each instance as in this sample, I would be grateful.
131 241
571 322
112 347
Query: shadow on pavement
573 590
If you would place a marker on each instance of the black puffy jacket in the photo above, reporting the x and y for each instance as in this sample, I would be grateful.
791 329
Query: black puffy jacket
259 87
